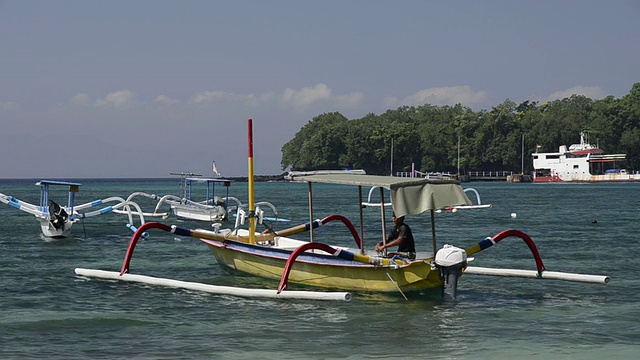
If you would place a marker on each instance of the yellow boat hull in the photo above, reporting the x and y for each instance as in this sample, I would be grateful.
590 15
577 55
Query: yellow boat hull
326 271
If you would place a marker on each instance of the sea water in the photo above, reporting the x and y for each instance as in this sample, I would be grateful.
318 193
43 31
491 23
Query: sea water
48 312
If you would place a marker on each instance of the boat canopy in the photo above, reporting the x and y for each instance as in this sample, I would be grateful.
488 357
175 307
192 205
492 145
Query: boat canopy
54 182
44 193
408 195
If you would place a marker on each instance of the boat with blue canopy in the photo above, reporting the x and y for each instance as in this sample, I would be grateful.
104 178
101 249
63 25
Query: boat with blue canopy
56 220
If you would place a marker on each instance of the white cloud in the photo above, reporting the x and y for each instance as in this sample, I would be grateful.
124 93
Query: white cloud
5 106
442 96
165 100
307 96
592 92
350 100
119 99
298 99
81 99
211 96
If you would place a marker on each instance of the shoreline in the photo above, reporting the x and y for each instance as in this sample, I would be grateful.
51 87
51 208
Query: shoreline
257 178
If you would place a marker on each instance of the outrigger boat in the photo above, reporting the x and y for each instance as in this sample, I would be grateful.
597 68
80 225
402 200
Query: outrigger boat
274 254
56 220
212 208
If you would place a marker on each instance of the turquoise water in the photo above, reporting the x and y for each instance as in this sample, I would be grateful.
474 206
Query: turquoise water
48 312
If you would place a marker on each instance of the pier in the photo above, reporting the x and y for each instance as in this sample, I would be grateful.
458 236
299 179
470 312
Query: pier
489 175
508 176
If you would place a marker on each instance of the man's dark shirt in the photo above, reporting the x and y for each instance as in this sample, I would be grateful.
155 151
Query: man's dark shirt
408 245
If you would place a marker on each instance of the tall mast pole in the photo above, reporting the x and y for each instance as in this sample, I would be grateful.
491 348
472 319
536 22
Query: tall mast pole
252 218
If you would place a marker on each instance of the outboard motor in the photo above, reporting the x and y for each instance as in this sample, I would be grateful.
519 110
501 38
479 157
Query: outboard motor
451 261
57 215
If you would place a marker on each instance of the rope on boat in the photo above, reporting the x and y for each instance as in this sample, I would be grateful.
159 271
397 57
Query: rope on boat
396 284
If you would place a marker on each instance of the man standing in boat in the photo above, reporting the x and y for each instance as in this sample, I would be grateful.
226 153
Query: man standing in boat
400 236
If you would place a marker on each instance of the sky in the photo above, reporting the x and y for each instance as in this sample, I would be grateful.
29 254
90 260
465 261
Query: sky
140 89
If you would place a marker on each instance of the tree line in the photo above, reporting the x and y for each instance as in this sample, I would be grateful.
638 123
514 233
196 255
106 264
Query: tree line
489 140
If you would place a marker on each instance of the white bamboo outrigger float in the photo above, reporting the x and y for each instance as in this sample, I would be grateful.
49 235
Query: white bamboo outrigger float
547 275
215 289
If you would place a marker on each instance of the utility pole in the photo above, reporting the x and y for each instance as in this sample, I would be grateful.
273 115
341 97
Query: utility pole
391 169
522 171
458 156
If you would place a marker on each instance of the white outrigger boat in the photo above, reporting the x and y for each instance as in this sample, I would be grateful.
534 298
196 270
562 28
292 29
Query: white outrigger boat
340 270
211 209
57 220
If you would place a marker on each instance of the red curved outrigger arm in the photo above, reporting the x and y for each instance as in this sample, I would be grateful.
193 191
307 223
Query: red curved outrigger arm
134 240
349 225
292 258
490 241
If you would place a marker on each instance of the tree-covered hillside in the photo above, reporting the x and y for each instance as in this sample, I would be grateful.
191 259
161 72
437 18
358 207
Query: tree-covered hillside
490 140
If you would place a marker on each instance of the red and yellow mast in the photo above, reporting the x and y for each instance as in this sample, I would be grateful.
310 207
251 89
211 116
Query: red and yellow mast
252 215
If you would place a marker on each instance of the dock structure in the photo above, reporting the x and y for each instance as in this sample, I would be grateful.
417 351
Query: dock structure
427 175
489 175
508 176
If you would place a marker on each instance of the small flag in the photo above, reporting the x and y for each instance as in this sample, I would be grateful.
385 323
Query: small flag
215 169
